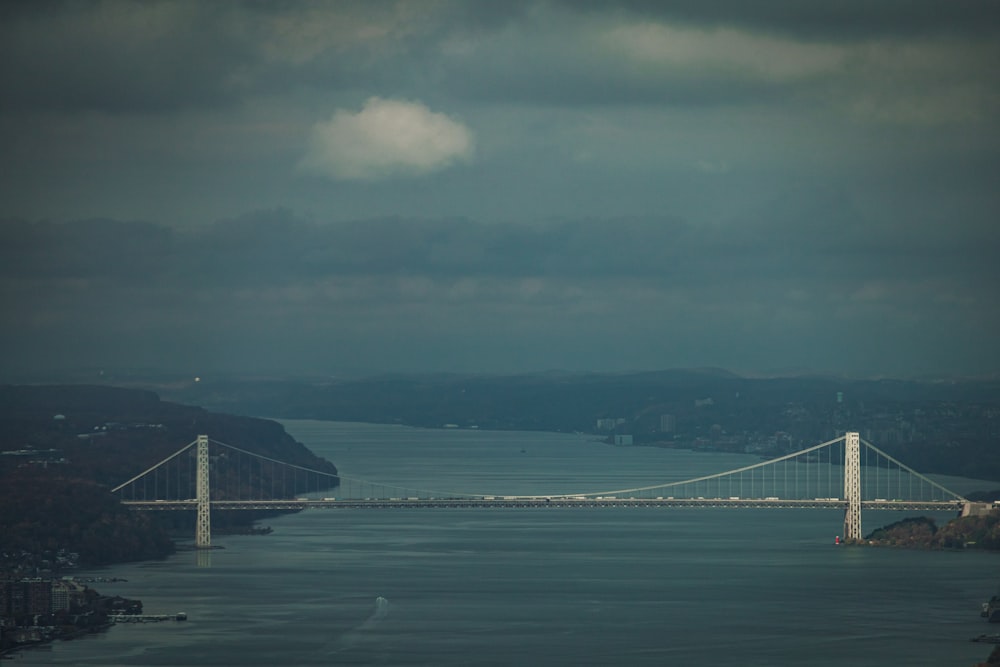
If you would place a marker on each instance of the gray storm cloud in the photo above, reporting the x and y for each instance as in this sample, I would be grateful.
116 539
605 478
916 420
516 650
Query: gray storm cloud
445 185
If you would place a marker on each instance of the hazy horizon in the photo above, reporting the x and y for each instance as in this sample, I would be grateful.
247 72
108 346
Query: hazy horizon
152 376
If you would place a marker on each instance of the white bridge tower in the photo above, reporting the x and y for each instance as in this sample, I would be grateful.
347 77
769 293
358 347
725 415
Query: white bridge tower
203 527
852 486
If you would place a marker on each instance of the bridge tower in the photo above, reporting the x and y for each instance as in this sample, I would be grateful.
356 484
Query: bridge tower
852 486
203 526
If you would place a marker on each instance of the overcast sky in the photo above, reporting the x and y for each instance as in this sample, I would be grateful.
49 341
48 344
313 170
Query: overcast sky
501 186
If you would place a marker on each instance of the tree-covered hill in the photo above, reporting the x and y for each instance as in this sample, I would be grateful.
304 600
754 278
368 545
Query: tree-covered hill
44 513
975 532
64 447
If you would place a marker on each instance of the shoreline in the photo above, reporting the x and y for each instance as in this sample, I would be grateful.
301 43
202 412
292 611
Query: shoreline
7 653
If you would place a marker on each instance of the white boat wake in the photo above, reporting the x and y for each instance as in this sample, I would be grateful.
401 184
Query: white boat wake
355 635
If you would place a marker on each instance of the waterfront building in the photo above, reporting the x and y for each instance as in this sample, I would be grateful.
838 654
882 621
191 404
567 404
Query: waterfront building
66 594
668 423
37 596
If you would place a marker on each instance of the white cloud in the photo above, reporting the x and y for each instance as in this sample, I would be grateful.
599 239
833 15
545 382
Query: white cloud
386 138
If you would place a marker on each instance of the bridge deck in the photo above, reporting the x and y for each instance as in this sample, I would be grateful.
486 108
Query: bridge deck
525 502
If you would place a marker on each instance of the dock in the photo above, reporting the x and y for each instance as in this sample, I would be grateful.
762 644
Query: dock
147 618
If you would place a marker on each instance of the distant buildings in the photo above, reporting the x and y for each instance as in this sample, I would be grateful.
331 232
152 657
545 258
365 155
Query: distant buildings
25 597
668 423
66 594
609 423
35 596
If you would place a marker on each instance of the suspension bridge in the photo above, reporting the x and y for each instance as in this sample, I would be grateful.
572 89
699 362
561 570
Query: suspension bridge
845 473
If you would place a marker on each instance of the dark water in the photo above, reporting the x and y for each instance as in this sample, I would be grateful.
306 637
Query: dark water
600 586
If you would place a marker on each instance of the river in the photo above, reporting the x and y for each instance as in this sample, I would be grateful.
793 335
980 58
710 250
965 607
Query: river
594 586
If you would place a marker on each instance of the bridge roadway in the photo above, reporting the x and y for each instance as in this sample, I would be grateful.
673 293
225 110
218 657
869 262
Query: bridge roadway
542 502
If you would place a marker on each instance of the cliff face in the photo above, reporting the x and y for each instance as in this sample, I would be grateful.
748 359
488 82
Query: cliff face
66 446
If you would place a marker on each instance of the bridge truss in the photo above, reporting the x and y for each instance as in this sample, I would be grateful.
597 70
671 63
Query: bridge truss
847 473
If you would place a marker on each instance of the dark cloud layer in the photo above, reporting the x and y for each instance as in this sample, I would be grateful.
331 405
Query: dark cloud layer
274 247
147 57
270 277
157 57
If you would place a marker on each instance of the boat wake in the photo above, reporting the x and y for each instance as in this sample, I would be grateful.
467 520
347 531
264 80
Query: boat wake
357 634
381 611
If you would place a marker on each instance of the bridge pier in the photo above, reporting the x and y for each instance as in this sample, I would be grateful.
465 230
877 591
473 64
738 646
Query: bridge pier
852 486
203 525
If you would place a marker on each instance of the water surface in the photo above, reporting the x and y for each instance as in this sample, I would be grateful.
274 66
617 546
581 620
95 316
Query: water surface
593 586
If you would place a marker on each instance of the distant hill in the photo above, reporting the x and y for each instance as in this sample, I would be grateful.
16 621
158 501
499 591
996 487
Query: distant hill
935 426
947 427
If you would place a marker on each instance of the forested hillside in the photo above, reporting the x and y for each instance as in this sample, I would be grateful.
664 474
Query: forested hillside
64 447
